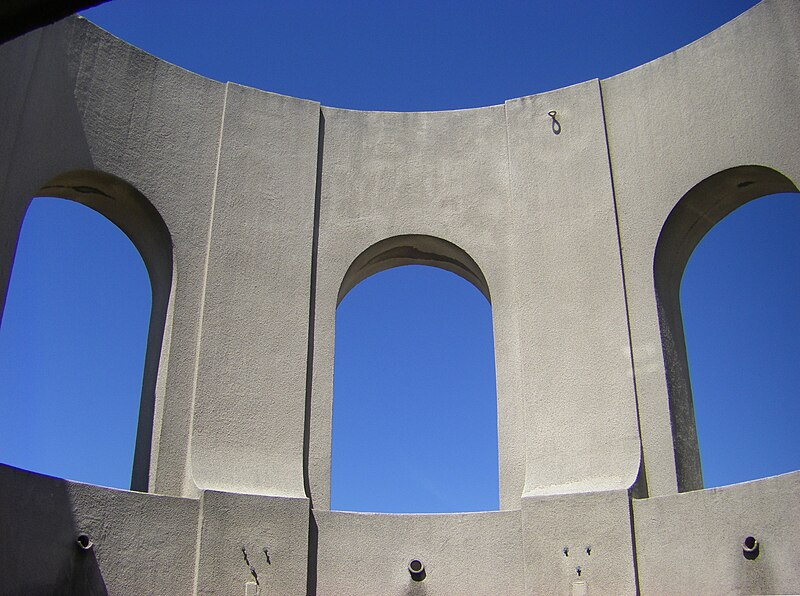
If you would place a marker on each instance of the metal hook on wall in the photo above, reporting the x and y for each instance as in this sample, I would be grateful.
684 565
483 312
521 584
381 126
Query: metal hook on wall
556 123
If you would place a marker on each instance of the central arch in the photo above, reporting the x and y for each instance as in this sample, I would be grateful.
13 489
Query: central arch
401 379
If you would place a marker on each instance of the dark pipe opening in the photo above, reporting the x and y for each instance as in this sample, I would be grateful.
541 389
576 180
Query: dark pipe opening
83 542
750 548
417 570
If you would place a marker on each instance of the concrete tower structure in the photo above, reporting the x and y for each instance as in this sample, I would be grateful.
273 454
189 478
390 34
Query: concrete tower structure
573 211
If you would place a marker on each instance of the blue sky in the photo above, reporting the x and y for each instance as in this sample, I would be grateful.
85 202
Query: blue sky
63 343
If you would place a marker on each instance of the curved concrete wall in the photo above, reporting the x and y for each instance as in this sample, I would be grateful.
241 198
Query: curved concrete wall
727 100
76 98
578 226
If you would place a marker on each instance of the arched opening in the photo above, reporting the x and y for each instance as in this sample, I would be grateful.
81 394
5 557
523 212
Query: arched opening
72 345
739 300
415 407
65 328
690 220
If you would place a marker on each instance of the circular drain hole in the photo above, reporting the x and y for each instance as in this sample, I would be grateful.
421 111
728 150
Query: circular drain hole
83 542
750 548
417 570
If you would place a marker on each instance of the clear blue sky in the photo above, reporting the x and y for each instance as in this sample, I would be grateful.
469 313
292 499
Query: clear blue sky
74 329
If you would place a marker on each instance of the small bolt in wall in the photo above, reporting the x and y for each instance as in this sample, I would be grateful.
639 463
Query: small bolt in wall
417 570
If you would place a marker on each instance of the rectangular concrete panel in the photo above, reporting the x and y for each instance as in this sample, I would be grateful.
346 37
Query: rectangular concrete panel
38 552
368 553
578 544
693 543
580 411
251 539
250 403
143 544
140 543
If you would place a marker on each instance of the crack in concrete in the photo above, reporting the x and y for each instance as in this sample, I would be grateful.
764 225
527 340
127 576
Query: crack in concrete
252 569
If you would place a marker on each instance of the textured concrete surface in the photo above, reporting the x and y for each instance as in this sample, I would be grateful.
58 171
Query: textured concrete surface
467 553
727 100
250 397
142 543
250 538
578 542
256 213
580 412
692 543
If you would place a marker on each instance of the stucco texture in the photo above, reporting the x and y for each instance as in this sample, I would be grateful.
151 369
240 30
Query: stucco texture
255 213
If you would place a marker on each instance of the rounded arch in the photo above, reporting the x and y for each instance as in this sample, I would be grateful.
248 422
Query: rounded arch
699 210
134 214
419 377
413 249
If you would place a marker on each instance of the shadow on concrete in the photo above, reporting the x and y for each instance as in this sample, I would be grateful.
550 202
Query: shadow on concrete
39 553
312 308
313 547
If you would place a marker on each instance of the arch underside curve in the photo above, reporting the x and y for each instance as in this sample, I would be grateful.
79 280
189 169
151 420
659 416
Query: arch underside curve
413 249
699 210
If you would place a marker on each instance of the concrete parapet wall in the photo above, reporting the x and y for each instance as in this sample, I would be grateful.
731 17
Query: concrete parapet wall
218 544
141 542
252 539
578 543
693 543
468 553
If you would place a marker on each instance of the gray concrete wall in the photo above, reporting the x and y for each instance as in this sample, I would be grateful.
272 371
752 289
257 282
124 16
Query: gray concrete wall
467 553
142 543
250 401
580 413
727 100
578 544
252 539
83 99
252 209
440 174
692 543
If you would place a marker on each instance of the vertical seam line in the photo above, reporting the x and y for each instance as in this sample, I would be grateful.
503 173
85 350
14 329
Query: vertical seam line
204 287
